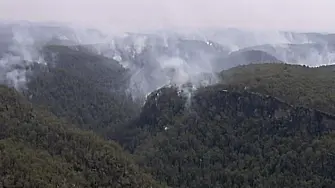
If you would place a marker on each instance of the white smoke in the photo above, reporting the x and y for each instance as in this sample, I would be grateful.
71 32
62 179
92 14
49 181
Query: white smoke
236 39
176 70
22 52
171 71
312 54
161 58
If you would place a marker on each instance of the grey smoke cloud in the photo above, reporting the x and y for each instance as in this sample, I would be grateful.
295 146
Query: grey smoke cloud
312 15
161 69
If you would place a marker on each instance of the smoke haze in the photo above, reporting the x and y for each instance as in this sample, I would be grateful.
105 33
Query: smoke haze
167 42
132 15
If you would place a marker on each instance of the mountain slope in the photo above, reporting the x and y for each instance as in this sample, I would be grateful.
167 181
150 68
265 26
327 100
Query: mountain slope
39 150
244 57
299 85
85 88
311 54
233 139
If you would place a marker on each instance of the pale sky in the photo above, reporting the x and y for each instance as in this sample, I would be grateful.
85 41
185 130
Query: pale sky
303 15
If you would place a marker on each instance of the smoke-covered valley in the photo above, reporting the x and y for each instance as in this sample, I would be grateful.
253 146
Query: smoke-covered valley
88 107
148 61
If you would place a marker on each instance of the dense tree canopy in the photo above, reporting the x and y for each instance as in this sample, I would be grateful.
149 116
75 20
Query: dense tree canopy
233 139
39 150
264 125
87 89
249 131
299 85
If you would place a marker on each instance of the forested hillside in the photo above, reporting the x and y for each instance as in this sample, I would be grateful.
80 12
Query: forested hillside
263 125
299 85
232 139
175 107
86 89
249 131
39 150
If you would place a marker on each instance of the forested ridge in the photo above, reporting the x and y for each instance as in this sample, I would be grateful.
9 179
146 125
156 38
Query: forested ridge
86 89
263 125
295 84
40 150
234 139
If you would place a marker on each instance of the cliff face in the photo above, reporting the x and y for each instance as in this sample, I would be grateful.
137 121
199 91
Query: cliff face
231 139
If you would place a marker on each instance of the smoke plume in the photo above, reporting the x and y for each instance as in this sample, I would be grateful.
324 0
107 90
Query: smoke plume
157 59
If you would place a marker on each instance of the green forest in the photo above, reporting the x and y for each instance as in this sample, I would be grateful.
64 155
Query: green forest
262 125
39 150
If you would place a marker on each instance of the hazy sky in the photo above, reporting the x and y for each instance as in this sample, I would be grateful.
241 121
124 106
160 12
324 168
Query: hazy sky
311 15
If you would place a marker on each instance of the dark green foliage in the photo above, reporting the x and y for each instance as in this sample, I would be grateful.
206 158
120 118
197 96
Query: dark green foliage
248 131
22 166
299 85
158 112
235 139
39 150
87 89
